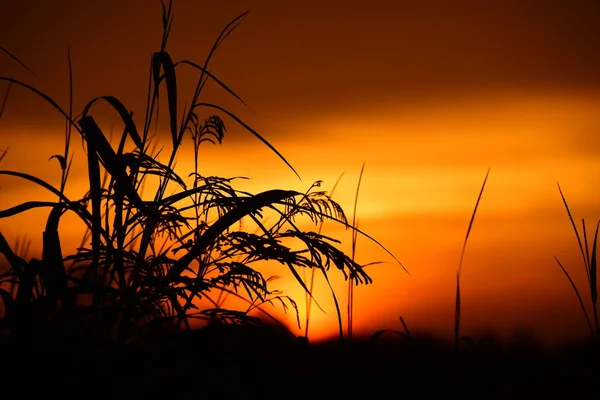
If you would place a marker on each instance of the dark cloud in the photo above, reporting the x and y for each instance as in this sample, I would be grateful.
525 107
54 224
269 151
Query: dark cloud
297 60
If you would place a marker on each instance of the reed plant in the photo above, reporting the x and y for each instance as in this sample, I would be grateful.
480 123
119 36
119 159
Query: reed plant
144 265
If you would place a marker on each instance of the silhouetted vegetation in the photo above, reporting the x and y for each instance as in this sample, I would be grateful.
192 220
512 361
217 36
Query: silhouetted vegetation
115 317
590 264
143 264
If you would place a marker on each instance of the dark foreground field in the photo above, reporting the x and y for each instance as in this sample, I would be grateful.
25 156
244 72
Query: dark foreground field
256 363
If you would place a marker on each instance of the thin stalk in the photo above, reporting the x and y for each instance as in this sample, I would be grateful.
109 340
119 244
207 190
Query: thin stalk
353 254
458 272
309 299
68 128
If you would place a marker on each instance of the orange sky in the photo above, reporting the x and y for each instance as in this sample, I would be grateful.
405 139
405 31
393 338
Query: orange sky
428 97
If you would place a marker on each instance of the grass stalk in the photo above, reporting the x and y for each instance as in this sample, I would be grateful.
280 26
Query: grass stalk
353 254
457 309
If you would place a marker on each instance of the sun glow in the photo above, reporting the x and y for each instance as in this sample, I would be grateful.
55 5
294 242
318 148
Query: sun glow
423 170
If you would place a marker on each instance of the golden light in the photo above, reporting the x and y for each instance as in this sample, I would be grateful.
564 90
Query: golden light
424 165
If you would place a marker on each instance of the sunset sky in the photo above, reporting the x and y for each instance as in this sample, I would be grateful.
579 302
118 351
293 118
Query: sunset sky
428 94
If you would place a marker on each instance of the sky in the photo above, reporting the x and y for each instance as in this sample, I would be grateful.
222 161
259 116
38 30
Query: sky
427 94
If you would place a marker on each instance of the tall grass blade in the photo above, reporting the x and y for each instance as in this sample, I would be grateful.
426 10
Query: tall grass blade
54 269
579 298
163 59
37 181
353 254
576 232
68 129
586 246
8 53
40 94
26 206
96 199
338 311
594 280
5 100
458 273
213 77
406 330
457 309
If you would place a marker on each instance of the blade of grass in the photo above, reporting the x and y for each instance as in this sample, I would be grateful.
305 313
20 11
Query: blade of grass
163 59
95 187
68 127
594 280
458 273
8 53
54 269
5 99
579 298
353 254
579 243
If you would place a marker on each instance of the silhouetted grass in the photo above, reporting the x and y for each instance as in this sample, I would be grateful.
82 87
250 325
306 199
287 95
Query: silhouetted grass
144 264
457 336
106 320
590 264
353 255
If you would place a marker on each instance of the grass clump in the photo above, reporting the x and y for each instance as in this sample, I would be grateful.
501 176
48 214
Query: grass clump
144 264
590 264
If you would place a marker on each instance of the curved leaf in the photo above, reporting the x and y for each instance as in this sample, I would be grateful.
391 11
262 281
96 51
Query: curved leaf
43 96
249 206
125 115
61 160
164 59
249 129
